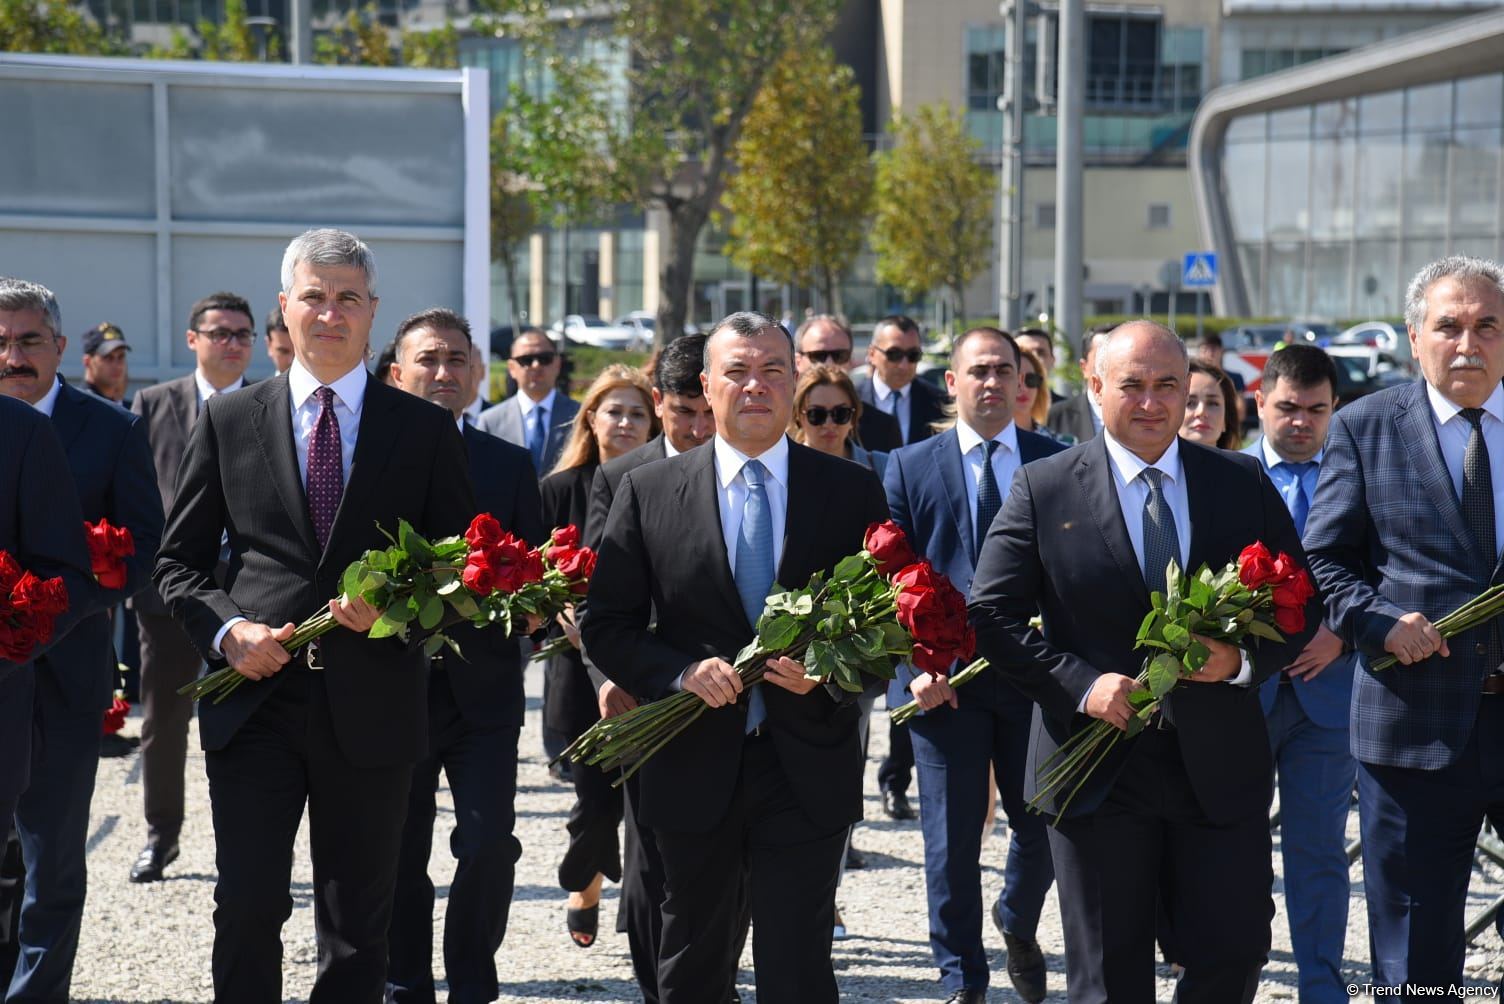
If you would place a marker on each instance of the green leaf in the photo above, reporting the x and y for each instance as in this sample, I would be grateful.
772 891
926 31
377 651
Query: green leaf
869 641
1177 636
849 678
850 568
1173 578
385 627
371 582
431 613
1148 625
1164 673
432 644
1135 726
451 587
777 632
349 583
896 640
835 606
1141 699
1195 656
402 612
1200 594
1259 629
820 660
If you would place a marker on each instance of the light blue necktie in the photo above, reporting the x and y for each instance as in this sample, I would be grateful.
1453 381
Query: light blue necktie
754 564
1300 503
537 438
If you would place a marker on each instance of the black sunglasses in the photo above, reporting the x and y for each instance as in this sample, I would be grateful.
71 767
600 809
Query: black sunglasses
840 414
535 358
900 355
1033 381
821 356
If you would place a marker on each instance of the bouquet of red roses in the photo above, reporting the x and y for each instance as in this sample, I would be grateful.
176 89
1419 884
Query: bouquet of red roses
27 606
1259 594
487 577
879 604
109 546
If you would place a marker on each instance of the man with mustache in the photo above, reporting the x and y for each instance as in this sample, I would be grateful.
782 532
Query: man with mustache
1405 527
220 334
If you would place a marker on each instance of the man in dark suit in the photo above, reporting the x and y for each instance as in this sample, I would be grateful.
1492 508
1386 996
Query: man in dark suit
538 416
892 386
75 681
302 471
1080 417
1177 813
825 340
688 422
1405 527
944 492
765 784
1307 703
475 706
220 333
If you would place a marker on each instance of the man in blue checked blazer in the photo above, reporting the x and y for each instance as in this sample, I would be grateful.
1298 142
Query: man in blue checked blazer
1306 704
1406 526
944 492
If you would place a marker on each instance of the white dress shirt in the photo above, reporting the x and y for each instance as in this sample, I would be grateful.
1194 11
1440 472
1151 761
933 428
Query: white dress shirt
668 447
527 405
732 492
1096 411
1005 462
1453 431
49 400
207 390
898 403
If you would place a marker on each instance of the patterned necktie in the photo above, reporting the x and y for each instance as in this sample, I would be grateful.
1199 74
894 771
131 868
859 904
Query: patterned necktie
1300 505
326 469
754 564
989 499
537 437
1161 542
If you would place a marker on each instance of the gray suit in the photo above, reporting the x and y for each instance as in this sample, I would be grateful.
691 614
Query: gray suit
504 421
1074 418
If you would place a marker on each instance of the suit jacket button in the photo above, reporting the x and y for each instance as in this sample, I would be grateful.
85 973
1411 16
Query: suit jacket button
1480 648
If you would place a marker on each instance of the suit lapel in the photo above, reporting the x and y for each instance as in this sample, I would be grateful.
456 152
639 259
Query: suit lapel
68 417
1201 501
1418 432
185 404
1094 474
801 521
700 500
273 421
946 455
375 442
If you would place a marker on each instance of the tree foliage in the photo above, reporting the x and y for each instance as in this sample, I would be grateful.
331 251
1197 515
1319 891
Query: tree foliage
933 221
803 184
357 39
512 215
56 27
232 39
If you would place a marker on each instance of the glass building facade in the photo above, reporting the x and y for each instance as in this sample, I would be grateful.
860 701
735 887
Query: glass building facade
1333 206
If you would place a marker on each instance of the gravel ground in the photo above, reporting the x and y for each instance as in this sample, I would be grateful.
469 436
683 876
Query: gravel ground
152 943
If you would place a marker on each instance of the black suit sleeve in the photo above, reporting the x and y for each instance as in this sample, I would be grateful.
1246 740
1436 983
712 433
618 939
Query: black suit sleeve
600 508
50 527
135 503
528 507
450 505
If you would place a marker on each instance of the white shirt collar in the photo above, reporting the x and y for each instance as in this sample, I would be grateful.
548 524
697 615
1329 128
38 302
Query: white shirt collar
883 390
350 388
49 400
1446 409
1129 465
527 404
668 447
970 438
729 461
1271 458
206 389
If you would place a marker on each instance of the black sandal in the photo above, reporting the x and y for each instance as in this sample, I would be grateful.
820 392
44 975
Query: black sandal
583 922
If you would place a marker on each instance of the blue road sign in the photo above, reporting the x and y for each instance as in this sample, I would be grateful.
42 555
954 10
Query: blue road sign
1199 270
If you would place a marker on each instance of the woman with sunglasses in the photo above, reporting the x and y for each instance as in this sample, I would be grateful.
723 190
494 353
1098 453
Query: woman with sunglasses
1032 404
1212 413
615 418
826 412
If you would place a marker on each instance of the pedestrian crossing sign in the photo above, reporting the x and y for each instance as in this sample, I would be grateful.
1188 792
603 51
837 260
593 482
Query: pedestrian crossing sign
1199 270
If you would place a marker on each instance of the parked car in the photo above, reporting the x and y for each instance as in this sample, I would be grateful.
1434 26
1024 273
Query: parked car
1378 334
1385 368
645 323
588 329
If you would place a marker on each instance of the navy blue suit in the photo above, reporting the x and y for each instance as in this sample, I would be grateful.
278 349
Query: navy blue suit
1386 537
953 748
112 470
475 707
1308 736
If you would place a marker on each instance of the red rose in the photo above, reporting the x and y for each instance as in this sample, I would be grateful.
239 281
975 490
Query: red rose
1290 620
114 717
42 597
484 531
889 547
565 536
934 612
515 565
10 572
479 577
1294 591
576 564
1255 566
108 545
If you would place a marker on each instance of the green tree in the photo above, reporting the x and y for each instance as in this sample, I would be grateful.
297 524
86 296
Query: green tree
232 39
438 49
56 27
803 183
357 39
933 222
512 214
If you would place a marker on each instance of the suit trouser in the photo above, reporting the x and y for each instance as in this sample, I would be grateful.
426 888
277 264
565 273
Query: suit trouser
168 662
594 847
481 767
1149 841
52 818
896 769
790 865
638 912
284 757
1420 829
1316 773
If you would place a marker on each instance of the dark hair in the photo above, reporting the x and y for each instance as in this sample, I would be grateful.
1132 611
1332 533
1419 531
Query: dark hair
678 367
274 320
902 322
955 349
1037 333
831 319
1232 405
747 324
1092 334
219 301
435 318
1301 365
1211 340
384 362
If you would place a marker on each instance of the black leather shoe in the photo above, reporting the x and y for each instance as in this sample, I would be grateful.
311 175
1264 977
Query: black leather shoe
854 859
896 805
1025 967
967 996
152 860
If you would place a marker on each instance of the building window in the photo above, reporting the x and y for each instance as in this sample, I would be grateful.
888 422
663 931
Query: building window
1122 59
1159 216
986 67
1257 62
1044 216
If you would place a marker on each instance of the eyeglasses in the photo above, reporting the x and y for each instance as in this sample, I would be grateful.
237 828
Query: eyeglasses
28 343
222 336
1033 381
529 359
840 414
902 355
822 356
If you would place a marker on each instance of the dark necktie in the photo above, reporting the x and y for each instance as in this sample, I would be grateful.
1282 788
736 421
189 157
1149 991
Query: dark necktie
1478 512
537 437
989 499
1300 505
326 469
1161 542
